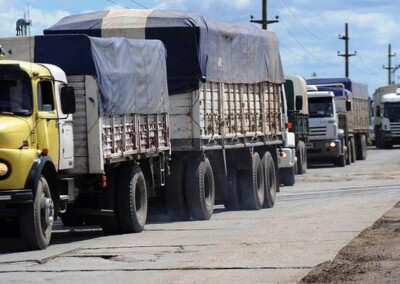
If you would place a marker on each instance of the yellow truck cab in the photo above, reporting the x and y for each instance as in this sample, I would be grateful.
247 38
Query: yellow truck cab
36 141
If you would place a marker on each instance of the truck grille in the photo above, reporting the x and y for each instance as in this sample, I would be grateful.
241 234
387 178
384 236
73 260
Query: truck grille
395 127
317 131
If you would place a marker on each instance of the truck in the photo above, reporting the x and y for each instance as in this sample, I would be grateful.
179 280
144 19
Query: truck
84 134
342 109
214 137
287 153
225 105
386 116
297 103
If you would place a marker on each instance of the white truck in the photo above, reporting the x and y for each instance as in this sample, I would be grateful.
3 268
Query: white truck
287 160
386 116
86 133
225 105
326 141
352 117
297 105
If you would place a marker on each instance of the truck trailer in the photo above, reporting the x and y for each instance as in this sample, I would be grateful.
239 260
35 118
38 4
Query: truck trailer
224 84
386 112
86 133
350 118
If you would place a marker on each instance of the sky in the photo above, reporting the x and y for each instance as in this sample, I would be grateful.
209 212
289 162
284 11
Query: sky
308 30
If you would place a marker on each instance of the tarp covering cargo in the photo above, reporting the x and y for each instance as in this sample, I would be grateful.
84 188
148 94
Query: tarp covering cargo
131 74
197 48
358 90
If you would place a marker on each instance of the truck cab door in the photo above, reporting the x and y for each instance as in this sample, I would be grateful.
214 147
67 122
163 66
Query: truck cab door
47 122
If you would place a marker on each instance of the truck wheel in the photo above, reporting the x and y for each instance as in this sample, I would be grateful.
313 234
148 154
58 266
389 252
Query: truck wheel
175 197
252 185
353 150
107 200
200 189
301 154
341 161
288 176
131 199
270 180
348 153
36 219
233 202
363 147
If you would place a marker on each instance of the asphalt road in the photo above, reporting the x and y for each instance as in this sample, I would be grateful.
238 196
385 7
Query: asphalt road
309 224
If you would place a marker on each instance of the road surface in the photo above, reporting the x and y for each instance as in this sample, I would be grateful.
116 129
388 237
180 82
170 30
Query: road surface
310 223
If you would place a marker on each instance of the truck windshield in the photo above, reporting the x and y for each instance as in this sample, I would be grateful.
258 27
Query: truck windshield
392 111
15 93
320 107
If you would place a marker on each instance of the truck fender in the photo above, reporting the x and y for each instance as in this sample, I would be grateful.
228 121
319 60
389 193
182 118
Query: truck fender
43 165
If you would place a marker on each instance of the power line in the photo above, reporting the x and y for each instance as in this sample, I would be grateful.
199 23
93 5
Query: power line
299 43
137 3
366 65
115 3
293 14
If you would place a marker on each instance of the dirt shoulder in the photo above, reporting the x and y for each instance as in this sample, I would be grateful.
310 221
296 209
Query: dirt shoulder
372 257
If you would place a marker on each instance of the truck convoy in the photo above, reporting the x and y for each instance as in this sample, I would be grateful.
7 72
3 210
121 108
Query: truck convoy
297 103
212 136
339 120
386 112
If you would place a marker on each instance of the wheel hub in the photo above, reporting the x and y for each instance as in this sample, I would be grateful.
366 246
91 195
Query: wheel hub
48 210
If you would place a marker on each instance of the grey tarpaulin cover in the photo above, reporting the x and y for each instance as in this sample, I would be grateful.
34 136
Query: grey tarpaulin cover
198 48
131 74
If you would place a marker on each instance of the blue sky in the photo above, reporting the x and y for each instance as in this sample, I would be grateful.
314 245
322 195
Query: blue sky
308 29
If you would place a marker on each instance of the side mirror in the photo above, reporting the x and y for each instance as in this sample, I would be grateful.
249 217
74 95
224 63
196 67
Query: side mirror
299 103
348 105
378 111
67 98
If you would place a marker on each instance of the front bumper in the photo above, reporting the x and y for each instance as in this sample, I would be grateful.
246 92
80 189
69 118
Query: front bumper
321 149
16 196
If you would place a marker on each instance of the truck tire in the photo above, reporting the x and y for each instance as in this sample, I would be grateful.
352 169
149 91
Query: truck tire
288 176
175 195
301 154
36 219
252 185
362 149
270 180
353 150
348 153
233 202
200 188
131 199
108 200
341 161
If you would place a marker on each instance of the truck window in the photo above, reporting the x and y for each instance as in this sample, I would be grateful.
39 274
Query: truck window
16 93
392 111
320 107
45 96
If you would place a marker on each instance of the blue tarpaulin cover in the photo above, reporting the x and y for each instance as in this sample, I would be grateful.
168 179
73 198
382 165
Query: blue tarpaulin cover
131 74
358 90
197 48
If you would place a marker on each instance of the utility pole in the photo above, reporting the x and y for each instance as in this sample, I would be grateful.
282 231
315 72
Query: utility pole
346 54
390 68
264 22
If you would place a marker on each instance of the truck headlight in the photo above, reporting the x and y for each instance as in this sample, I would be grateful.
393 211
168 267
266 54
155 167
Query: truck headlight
3 169
332 144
